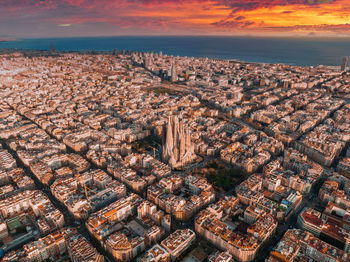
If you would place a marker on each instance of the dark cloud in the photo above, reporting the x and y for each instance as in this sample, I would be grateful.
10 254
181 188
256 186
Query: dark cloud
239 18
238 5
232 24
344 28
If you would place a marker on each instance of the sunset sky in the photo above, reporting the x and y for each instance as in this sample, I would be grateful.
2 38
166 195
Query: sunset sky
57 18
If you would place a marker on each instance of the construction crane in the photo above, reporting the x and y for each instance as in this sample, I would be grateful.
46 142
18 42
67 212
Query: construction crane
79 178
86 194
154 151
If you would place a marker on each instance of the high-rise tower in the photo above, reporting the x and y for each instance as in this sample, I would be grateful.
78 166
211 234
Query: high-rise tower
173 74
344 63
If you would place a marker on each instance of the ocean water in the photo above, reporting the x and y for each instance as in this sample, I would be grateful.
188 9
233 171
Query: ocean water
295 51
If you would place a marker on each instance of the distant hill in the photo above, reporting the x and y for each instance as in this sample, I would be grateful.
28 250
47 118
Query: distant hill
7 39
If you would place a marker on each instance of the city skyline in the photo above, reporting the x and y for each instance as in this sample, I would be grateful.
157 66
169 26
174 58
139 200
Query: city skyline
53 18
142 156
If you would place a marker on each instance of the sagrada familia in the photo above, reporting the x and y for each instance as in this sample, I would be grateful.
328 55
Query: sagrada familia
177 146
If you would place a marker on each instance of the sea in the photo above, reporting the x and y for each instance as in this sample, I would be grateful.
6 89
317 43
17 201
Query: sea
307 51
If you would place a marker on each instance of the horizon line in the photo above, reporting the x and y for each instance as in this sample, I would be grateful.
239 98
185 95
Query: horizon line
11 39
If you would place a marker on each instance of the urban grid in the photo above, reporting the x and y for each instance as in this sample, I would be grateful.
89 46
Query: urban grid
142 156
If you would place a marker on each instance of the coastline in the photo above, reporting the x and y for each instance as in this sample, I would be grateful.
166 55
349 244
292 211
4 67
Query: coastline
4 40
46 52
304 52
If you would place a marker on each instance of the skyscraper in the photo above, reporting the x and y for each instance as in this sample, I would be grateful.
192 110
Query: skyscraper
177 147
52 48
344 63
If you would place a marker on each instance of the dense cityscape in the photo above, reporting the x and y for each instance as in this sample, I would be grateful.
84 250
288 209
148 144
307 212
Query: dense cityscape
141 156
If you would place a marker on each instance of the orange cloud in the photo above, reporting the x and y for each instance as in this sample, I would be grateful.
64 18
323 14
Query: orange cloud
300 18
187 16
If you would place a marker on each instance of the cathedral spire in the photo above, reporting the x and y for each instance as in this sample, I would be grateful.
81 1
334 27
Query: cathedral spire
177 148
